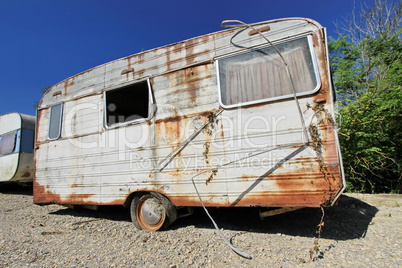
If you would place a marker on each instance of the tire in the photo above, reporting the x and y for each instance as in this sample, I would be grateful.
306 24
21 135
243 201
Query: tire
152 212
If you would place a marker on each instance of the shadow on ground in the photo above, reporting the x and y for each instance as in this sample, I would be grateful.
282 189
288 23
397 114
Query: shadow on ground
14 188
114 213
349 219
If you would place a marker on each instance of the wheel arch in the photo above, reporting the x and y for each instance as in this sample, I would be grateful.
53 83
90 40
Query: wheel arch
130 197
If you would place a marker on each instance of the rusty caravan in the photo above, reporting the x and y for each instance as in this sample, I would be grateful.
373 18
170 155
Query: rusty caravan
236 118
16 148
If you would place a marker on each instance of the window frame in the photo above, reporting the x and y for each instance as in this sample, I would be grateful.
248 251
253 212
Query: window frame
60 119
278 98
27 140
15 148
151 109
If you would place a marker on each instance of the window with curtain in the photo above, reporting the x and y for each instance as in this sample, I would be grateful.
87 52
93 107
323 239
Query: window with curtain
260 75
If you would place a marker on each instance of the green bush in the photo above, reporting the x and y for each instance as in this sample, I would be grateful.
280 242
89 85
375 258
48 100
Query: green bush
368 77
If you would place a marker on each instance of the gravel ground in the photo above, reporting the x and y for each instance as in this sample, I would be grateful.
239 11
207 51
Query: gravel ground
361 231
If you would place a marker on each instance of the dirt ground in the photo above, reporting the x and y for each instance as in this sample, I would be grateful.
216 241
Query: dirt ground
360 231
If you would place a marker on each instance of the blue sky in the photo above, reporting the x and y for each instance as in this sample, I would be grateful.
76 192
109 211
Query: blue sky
43 42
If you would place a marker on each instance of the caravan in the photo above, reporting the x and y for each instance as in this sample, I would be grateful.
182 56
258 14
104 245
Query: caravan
237 118
16 148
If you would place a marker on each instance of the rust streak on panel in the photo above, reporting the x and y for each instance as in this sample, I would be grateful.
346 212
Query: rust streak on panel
44 196
79 199
127 71
282 200
57 93
259 30
178 117
191 82
189 48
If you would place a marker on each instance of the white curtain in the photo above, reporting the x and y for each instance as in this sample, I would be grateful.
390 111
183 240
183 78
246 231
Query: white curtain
265 77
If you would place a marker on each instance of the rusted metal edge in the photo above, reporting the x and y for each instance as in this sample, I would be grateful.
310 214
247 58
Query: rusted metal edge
259 30
100 92
337 144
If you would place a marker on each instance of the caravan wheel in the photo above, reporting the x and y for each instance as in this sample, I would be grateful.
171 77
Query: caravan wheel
152 212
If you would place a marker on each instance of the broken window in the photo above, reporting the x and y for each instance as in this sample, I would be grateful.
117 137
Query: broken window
128 104
56 113
7 142
260 75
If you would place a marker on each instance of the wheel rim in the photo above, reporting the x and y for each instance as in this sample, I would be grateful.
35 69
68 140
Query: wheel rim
150 214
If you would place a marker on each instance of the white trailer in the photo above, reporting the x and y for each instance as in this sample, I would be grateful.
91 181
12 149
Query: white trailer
240 117
16 148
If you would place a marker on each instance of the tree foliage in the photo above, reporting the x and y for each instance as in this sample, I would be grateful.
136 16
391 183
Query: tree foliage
366 61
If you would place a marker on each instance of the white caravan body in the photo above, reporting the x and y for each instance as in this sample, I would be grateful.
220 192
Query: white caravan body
240 117
16 147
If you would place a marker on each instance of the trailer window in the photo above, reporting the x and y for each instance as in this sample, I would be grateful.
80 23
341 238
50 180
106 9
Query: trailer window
259 75
128 104
56 113
27 141
7 142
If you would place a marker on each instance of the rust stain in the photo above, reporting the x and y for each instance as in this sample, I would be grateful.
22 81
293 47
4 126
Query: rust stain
168 61
79 199
189 47
189 80
282 200
67 83
127 71
116 202
259 30
57 93
141 58
317 100
323 134
222 134
193 86
172 130
204 39
43 196
315 40
179 118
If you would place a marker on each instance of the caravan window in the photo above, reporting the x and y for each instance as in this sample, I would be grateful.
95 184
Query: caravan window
259 74
56 113
7 142
27 141
128 104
